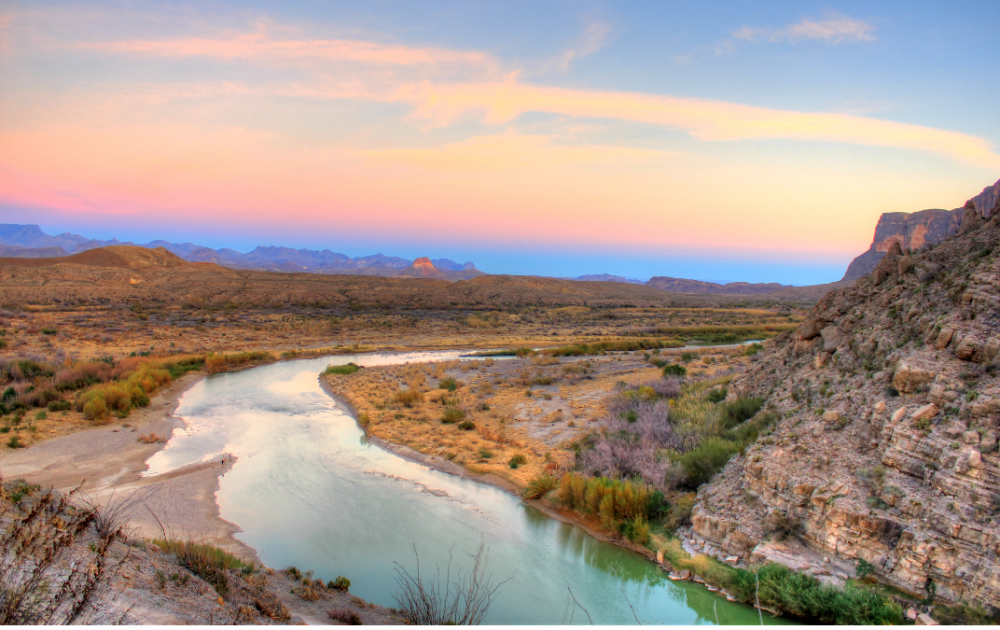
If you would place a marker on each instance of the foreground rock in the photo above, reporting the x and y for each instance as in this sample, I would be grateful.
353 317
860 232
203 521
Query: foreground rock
887 451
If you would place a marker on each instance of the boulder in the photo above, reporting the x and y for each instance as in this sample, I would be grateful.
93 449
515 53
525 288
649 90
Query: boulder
911 376
990 349
923 619
831 416
968 349
905 264
927 411
928 271
944 337
810 328
971 437
832 338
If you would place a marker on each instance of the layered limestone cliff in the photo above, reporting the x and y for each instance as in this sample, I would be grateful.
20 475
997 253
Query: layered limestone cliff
886 451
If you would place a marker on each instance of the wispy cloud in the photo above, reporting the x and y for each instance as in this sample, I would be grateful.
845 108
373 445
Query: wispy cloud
594 37
260 46
833 29
512 151
707 120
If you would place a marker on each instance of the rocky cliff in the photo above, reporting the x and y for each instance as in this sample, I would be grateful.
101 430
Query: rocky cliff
918 229
886 451
911 230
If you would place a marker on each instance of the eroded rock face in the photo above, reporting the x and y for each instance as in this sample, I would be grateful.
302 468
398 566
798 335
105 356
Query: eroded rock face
902 468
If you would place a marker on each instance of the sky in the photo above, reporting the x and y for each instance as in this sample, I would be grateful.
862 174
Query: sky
724 141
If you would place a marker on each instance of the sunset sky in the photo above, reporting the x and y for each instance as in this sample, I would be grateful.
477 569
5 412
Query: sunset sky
719 141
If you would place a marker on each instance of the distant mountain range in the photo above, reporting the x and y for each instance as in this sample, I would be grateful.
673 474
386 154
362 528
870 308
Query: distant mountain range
29 241
680 285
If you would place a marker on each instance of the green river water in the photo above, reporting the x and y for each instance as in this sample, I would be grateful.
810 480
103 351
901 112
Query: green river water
308 491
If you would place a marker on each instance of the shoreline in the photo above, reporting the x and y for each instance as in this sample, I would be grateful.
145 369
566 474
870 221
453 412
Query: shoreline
449 467
108 463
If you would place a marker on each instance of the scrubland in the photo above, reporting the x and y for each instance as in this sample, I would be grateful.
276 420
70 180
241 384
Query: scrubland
63 367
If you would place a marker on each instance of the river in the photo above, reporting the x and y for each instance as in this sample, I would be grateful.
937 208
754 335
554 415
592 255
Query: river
308 490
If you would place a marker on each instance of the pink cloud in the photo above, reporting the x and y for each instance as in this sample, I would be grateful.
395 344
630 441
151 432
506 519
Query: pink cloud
259 46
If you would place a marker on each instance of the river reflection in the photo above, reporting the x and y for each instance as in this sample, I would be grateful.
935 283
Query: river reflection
307 490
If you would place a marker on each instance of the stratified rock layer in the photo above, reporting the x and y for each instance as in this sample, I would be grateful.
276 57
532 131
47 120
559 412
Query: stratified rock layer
886 450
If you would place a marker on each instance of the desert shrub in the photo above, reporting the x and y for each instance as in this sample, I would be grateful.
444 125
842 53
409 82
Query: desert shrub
467 425
344 616
540 486
705 460
636 530
517 460
485 453
95 409
341 584
59 405
717 395
463 598
349 368
206 561
674 369
865 568
448 383
739 411
753 349
452 414
408 397
14 442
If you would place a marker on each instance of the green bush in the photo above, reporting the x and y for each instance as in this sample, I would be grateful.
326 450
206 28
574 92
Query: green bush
717 395
448 383
517 460
739 411
59 405
706 459
467 425
15 442
674 369
341 584
350 368
485 453
865 568
805 597
452 415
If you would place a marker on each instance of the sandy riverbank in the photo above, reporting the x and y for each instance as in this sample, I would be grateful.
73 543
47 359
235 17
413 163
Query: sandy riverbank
107 463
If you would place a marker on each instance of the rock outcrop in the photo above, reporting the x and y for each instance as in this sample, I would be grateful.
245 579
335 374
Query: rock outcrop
889 404
917 230
910 230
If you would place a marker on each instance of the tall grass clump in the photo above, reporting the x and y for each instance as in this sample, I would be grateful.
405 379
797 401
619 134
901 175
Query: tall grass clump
206 561
349 368
215 363
408 397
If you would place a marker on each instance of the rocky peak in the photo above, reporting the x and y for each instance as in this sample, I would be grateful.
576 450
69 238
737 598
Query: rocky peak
886 449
